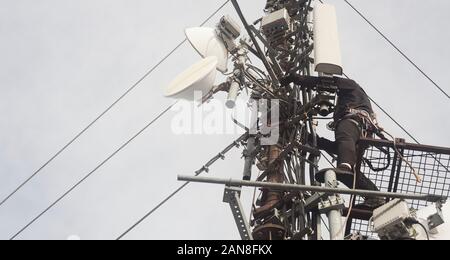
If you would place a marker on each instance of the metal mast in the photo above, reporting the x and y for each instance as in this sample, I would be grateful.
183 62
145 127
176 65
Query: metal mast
282 141
287 36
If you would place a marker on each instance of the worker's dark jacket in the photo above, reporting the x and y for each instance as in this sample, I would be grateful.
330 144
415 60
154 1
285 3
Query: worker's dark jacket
350 96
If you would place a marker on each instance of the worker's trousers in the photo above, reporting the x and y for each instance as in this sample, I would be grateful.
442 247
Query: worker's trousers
348 133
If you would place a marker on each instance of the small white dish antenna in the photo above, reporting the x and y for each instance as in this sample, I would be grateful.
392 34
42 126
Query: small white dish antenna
200 77
207 43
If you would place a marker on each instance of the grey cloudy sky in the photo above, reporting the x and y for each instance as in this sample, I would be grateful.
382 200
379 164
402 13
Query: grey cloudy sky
62 62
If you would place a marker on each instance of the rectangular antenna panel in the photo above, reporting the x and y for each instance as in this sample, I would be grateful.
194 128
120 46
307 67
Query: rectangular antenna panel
276 25
326 41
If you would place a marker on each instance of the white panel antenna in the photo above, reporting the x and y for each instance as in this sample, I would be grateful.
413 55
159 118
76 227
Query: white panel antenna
326 40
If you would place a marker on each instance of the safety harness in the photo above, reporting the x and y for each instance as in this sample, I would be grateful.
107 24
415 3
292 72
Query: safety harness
369 126
364 120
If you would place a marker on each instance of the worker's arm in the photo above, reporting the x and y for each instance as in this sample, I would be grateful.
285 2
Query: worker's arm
346 84
325 144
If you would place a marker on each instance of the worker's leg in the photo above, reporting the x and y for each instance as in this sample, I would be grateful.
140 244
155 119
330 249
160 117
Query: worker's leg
347 135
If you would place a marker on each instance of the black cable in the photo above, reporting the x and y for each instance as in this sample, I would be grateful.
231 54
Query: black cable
324 223
328 160
184 185
412 221
371 99
399 125
104 112
90 125
93 171
394 120
152 211
424 229
205 168
120 148
397 48
389 115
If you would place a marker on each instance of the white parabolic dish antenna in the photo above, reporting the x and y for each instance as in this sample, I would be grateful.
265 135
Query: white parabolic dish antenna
206 42
200 77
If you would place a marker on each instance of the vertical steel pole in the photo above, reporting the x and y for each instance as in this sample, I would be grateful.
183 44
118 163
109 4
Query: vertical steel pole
334 216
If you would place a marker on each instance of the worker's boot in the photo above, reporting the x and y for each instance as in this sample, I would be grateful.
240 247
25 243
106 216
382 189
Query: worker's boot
362 183
346 167
371 203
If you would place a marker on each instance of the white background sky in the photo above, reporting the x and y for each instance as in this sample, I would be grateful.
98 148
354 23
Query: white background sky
62 62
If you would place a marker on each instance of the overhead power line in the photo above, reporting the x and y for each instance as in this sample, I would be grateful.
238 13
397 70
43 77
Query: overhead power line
398 124
390 116
134 86
89 126
205 168
164 201
121 147
397 48
93 171
140 132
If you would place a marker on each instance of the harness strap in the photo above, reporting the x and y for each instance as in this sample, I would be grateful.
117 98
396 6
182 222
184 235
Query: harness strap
364 120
